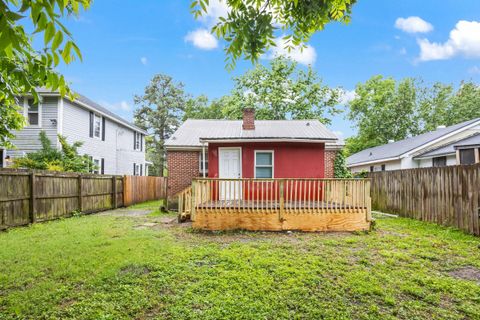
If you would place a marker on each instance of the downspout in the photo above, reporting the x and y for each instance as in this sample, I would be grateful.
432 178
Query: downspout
203 159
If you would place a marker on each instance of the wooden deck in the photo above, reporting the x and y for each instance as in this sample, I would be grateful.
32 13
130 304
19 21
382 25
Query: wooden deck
277 204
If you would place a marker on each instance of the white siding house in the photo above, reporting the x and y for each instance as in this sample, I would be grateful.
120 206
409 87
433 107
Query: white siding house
457 144
115 145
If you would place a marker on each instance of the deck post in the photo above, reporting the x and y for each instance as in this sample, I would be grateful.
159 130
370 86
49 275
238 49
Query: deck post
282 200
369 201
192 198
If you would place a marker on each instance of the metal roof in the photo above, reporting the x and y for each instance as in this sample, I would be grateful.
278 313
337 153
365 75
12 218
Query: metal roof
92 104
450 148
191 132
398 148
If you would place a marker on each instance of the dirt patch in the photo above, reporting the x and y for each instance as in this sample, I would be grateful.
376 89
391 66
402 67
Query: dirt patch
466 273
125 212
133 269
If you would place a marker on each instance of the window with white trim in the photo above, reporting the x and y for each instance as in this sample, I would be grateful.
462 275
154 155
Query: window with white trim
137 170
200 160
264 164
33 112
96 165
97 126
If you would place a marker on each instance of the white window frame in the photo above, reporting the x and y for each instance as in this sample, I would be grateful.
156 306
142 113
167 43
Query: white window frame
99 167
95 117
264 166
200 163
26 107
137 169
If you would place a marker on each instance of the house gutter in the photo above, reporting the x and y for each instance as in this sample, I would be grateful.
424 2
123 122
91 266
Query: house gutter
372 162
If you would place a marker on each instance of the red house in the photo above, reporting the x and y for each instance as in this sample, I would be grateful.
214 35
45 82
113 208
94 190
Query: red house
250 149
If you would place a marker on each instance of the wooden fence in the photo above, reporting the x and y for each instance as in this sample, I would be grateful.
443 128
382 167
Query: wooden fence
140 189
447 196
31 196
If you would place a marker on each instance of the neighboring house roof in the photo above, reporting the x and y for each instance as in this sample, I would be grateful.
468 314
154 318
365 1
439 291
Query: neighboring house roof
97 107
473 140
192 132
395 150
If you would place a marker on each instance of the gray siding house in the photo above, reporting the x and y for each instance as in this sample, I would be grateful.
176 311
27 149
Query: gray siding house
115 145
454 145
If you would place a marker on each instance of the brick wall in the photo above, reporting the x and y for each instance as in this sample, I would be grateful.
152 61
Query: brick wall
183 166
329 160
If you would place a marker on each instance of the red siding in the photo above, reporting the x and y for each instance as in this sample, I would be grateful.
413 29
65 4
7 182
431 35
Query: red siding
291 160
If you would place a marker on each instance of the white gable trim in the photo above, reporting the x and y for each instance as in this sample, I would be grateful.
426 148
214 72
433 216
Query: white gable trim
409 153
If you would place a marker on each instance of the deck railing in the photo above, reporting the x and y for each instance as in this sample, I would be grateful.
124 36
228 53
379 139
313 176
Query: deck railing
283 195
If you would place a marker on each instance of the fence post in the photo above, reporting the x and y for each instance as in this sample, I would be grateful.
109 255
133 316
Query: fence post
125 191
192 208
32 212
80 195
282 200
114 192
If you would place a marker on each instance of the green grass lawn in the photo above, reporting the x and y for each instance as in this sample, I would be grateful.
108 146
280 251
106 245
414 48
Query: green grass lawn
117 266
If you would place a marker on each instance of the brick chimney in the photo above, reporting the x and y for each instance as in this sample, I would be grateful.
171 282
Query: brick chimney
248 119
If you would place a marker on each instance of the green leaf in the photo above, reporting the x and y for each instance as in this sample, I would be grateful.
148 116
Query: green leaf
57 40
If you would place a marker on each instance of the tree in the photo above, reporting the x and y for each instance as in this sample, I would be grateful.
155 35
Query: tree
282 91
160 111
382 110
201 108
49 158
465 104
250 26
22 68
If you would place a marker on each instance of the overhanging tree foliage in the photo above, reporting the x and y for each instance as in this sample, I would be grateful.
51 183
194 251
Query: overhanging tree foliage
250 26
50 158
160 110
22 67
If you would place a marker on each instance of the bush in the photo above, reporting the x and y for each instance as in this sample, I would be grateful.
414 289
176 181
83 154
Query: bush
49 158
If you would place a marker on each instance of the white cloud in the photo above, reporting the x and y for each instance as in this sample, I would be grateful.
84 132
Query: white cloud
307 56
215 10
118 106
474 70
144 60
403 51
464 40
347 97
202 38
413 25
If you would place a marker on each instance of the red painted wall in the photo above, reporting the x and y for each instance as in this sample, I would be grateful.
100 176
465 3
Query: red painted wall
291 159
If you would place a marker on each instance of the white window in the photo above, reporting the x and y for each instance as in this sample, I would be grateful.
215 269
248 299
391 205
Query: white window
96 166
33 113
263 164
137 170
137 141
200 160
97 126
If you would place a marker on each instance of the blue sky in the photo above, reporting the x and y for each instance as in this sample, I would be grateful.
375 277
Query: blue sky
124 43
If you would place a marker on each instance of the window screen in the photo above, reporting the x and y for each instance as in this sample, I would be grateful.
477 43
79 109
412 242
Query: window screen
264 164
467 156
439 161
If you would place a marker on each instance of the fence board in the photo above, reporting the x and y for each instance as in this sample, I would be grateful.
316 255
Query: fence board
447 196
28 196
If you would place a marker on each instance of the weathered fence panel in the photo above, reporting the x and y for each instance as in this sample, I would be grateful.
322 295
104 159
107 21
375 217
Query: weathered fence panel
140 189
31 196
447 195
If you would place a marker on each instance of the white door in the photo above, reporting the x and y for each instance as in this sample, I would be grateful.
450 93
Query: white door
230 164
